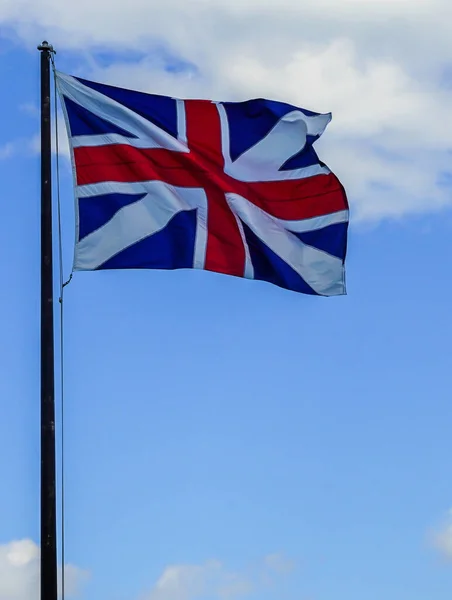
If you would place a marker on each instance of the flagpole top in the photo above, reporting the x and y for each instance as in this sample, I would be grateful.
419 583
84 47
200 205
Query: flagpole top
46 47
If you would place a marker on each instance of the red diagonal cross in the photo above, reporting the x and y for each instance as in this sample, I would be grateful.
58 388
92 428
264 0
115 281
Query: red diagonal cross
203 167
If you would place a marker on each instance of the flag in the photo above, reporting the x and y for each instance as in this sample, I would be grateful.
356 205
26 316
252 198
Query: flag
231 187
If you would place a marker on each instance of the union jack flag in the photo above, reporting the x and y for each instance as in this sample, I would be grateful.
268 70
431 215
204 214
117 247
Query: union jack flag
230 187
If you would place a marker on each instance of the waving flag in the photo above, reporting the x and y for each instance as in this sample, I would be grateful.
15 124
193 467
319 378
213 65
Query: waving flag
231 187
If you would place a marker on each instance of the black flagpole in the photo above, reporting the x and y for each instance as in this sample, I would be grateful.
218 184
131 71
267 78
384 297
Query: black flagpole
48 451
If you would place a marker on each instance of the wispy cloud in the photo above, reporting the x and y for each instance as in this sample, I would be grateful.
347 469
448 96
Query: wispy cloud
20 564
7 150
441 537
34 144
29 108
279 563
19 572
213 579
26 147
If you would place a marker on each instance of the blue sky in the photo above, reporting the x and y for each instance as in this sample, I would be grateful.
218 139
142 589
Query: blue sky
226 438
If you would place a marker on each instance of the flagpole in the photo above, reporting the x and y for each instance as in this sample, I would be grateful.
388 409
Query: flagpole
48 450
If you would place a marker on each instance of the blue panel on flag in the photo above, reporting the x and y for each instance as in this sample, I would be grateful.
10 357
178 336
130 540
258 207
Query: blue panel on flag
269 267
170 248
306 158
331 239
161 110
96 211
84 122
250 121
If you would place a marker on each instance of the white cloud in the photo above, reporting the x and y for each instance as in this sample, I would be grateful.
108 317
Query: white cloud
187 582
441 538
214 580
30 109
7 150
378 65
19 577
34 145
279 563
31 146
19 572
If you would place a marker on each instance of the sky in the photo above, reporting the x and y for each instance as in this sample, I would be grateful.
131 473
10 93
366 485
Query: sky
226 439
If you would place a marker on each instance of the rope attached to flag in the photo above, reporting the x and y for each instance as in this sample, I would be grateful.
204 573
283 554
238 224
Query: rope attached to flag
62 285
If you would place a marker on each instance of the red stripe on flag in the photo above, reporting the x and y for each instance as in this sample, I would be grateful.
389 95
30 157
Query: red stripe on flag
225 251
124 163
298 199
287 199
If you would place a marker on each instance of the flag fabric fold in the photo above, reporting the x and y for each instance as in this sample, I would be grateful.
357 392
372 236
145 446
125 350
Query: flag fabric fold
231 187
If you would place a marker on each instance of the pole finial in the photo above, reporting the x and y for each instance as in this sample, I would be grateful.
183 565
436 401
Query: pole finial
46 47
